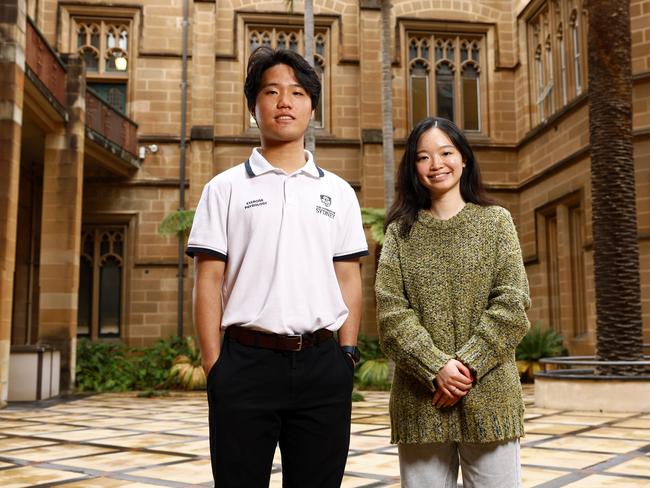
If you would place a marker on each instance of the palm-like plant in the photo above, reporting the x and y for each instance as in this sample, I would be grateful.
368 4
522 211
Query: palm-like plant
178 222
374 369
186 370
538 343
619 324
374 219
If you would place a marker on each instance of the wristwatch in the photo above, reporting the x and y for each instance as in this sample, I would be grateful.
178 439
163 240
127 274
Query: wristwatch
353 351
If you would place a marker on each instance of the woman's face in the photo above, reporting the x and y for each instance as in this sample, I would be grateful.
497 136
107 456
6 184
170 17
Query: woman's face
439 164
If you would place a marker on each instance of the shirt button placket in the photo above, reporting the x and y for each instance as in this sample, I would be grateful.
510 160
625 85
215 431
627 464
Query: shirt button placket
289 191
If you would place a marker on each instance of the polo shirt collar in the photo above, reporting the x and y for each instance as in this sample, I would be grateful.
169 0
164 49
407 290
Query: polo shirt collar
257 165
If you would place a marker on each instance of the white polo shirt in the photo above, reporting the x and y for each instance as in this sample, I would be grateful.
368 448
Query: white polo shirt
280 235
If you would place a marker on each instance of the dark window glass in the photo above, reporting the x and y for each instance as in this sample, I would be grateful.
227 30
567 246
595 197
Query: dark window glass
92 62
112 93
255 43
413 51
470 98
320 46
293 43
94 38
110 291
438 52
445 92
450 51
424 50
84 311
419 93
318 115
81 37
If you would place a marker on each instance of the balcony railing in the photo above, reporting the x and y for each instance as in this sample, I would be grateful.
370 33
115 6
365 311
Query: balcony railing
109 123
44 62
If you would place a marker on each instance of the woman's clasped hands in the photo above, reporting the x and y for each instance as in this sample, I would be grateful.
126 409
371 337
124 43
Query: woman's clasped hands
453 382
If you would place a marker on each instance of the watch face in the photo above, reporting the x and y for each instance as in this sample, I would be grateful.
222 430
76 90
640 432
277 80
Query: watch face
356 354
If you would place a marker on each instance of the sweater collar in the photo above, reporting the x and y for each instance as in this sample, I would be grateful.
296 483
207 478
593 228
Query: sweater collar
428 220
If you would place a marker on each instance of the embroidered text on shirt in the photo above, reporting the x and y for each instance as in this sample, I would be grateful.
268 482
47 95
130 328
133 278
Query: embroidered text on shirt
255 203
324 211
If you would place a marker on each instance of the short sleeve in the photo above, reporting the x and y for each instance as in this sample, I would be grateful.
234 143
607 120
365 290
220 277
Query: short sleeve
209 230
351 239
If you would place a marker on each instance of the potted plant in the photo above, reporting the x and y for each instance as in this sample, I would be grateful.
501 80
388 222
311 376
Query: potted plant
538 343
186 370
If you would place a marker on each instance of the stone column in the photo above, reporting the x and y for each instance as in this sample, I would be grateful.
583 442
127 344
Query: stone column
61 227
372 156
201 154
12 79
372 174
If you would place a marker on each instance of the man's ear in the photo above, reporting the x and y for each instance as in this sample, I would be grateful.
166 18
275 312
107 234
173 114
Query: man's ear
313 114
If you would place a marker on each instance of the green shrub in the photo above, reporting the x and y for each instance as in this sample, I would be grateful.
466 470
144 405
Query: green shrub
103 366
370 348
373 371
178 222
374 218
538 343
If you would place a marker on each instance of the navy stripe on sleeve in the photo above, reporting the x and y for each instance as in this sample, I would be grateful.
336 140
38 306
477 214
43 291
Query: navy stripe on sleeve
191 251
354 255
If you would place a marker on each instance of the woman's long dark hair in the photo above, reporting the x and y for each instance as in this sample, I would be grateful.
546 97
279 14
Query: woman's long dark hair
412 196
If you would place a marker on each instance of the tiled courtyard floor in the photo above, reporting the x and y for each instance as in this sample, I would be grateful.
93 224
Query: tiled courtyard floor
120 440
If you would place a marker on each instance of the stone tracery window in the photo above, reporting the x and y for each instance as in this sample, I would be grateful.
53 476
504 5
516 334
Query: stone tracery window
445 78
105 47
556 43
101 282
576 49
291 37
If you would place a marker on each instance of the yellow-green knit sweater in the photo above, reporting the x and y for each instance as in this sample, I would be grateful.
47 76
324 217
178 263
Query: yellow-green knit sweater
454 289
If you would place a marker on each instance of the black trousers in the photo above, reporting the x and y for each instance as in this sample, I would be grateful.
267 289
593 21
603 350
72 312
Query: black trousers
261 397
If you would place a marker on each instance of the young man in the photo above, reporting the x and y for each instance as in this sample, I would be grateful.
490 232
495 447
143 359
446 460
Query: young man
276 242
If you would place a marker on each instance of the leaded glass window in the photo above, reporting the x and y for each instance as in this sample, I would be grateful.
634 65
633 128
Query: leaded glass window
105 45
445 78
563 73
556 47
101 282
575 44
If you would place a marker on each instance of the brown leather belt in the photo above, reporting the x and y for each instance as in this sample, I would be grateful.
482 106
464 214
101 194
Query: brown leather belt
293 342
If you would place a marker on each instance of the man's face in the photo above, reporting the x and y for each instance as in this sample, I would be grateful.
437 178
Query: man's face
282 107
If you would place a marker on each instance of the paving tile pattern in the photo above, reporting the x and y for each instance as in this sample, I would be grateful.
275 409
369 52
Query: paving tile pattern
120 440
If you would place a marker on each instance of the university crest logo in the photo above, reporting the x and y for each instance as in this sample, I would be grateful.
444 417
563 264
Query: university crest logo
327 201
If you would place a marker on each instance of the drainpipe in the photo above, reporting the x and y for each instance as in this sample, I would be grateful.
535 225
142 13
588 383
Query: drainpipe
181 179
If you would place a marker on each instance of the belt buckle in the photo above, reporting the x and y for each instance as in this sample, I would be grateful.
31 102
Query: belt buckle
299 337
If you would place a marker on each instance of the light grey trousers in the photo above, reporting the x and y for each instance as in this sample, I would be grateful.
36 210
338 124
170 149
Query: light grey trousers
488 465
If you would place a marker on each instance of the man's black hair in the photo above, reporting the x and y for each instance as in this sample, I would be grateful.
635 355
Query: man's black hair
264 58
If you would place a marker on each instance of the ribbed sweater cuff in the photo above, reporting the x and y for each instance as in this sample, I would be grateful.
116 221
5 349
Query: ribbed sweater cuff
477 356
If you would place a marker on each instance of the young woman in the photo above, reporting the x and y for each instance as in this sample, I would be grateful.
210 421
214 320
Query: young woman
452 296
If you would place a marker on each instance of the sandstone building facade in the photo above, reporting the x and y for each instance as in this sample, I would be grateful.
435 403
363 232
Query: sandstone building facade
90 137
